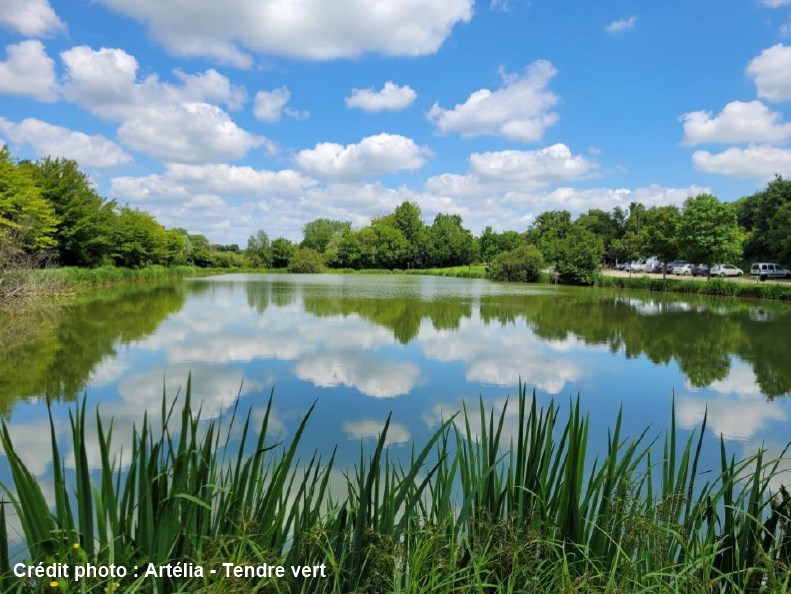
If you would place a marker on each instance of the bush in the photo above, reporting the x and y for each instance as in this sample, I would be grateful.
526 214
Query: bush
578 257
523 264
306 260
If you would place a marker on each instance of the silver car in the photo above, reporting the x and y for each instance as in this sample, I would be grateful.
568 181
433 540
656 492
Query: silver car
723 270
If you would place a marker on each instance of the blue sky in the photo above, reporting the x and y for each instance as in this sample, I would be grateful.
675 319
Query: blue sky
226 117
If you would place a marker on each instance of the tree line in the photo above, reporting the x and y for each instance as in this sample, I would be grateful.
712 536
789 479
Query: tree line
51 207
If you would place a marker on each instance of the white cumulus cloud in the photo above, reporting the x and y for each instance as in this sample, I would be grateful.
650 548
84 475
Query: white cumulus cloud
271 105
776 3
756 161
188 132
392 97
549 165
28 71
56 141
771 71
622 25
519 110
104 81
739 121
170 121
30 17
308 29
373 155
513 171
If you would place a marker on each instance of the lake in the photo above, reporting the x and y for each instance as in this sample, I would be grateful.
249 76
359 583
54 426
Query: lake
364 346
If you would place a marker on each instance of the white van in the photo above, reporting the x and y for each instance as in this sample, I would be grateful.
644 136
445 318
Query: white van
765 270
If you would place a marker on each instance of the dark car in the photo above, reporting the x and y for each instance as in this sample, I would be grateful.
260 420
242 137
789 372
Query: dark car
700 270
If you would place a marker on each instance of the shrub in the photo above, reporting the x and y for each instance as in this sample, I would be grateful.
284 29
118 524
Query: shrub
306 260
578 257
523 264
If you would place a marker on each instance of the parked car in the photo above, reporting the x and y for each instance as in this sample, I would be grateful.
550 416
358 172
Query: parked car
683 270
766 270
637 266
673 264
620 266
700 270
723 270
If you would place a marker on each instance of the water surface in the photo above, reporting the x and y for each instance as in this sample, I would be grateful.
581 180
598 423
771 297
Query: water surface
365 346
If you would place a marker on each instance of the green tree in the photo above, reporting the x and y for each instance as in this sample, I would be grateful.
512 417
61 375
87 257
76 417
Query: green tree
523 264
282 250
83 232
307 261
259 250
25 215
202 253
137 239
349 252
492 243
317 234
548 230
661 231
579 256
755 214
708 231
779 235
604 225
451 243
626 248
407 219
392 248
176 247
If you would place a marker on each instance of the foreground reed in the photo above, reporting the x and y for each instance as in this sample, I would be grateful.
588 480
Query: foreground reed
468 512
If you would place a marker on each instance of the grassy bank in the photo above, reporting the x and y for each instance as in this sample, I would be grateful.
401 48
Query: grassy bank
472 271
17 285
108 275
466 513
715 287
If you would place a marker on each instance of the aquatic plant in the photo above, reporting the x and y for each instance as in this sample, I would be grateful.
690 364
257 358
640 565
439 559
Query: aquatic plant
469 511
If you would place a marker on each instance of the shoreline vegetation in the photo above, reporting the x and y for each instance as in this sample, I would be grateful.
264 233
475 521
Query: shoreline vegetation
472 509
51 282
52 214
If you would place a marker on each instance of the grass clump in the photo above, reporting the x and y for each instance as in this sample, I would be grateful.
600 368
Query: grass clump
471 510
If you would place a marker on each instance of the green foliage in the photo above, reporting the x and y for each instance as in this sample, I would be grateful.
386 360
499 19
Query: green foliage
451 244
524 264
83 233
757 213
708 231
307 261
661 232
138 240
408 221
317 234
391 246
779 236
259 250
492 243
25 214
548 231
282 250
578 257
608 226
